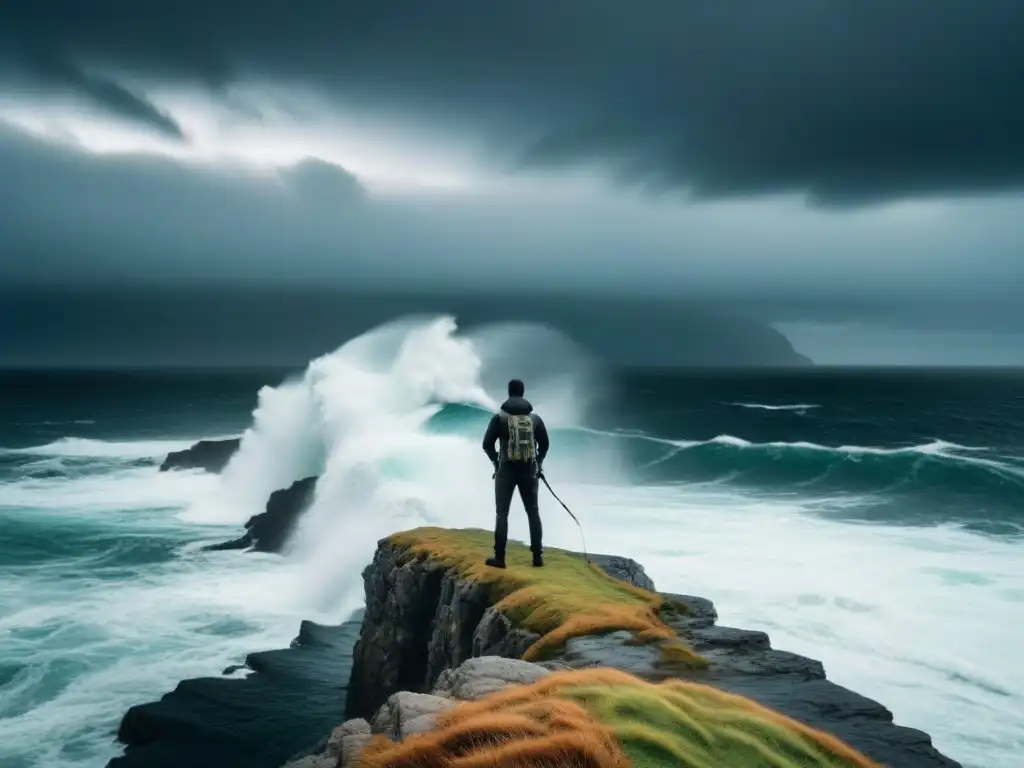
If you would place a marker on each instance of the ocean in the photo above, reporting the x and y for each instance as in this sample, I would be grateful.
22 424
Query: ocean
873 519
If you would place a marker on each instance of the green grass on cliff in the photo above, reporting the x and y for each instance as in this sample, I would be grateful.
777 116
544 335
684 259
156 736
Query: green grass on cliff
564 599
679 723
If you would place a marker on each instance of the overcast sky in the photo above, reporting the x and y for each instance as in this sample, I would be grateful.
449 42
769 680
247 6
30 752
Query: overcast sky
850 170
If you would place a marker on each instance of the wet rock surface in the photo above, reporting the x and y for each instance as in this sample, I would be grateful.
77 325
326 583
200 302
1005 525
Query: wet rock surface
270 530
210 455
623 569
290 699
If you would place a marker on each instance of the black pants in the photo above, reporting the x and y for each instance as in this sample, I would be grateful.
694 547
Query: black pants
509 477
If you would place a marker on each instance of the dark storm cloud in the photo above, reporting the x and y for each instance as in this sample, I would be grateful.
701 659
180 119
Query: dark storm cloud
71 218
847 101
140 259
103 92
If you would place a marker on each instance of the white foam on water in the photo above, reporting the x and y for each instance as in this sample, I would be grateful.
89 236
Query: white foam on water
86 447
119 489
357 419
122 606
92 649
765 407
919 619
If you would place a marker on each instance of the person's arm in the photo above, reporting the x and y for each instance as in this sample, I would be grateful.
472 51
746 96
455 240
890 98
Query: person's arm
490 436
540 432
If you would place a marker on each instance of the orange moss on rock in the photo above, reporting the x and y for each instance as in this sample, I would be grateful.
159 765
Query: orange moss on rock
567 598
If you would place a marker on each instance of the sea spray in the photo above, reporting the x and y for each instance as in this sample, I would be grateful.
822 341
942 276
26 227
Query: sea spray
360 419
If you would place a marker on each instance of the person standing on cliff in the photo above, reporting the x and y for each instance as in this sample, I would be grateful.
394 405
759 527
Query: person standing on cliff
523 442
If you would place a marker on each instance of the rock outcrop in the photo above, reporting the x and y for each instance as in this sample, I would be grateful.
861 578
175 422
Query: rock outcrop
210 455
422 622
404 713
267 531
270 530
287 701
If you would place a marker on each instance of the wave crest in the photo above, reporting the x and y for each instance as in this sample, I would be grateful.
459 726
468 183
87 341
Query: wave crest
83 447
367 420
798 407
934 468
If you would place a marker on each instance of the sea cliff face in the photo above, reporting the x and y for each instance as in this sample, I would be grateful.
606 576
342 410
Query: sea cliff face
421 620
424 623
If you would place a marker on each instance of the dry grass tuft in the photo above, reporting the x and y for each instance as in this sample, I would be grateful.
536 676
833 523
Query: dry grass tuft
647 637
682 723
604 718
565 599
677 607
676 654
542 733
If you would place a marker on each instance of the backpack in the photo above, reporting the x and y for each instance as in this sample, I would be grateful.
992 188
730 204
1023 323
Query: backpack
521 445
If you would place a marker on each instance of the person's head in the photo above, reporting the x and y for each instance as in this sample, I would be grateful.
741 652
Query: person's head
516 388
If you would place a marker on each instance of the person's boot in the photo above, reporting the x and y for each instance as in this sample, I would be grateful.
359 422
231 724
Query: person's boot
495 562
538 560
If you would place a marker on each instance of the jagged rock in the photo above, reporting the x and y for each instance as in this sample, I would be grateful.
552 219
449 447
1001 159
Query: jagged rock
461 608
292 697
495 635
406 712
347 741
211 455
270 530
625 569
395 645
486 674
421 620
700 612
728 637
355 727
340 749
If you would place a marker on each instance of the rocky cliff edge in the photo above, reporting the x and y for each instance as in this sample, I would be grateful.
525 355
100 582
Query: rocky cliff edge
634 677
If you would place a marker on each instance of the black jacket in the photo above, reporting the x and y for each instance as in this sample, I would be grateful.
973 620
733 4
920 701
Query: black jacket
498 430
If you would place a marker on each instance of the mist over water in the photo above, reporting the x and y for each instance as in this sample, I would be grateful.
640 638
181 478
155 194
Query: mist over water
781 503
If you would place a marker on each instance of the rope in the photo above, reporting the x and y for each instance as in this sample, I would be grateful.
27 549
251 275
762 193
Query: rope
585 555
